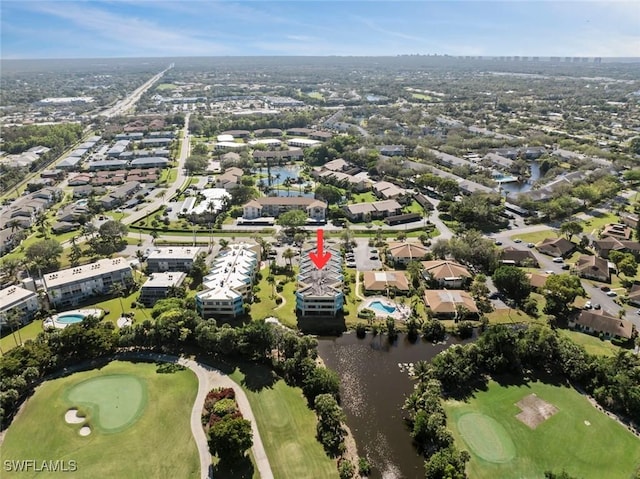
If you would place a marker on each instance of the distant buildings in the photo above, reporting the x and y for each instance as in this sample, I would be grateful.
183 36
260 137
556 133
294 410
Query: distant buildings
70 287
274 206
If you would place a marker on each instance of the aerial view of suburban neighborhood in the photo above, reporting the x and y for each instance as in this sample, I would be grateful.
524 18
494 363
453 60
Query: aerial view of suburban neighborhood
315 265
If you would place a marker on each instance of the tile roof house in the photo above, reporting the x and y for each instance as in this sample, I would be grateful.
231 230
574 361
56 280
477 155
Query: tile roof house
558 247
620 231
387 190
629 219
230 178
593 267
446 303
605 245
376 210
403 253
634 295
518 257
445 273
376 281
537 280
597 322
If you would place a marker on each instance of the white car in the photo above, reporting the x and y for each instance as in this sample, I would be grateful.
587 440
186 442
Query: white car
550 272
612 294
558 260
588 305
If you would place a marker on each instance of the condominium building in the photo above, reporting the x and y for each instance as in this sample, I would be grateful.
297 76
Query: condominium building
319 292
273 206
229 284
70 287
172 258
20 300
158 286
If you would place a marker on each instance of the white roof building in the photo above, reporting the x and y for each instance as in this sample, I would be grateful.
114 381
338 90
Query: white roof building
230 281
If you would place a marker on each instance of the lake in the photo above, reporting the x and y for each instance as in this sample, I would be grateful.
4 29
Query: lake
373 390
516 187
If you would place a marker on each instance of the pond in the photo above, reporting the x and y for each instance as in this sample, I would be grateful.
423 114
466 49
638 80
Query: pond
280 173
516 187
374 385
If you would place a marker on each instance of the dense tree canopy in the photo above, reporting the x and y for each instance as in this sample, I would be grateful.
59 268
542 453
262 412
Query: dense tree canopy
513 282
44 255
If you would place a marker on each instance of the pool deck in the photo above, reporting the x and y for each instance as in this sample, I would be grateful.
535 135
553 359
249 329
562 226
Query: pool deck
401 313
52 322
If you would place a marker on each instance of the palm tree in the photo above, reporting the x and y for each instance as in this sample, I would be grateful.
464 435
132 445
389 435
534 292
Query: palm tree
76 253
118 290
289 254
11 267
271 279
14 225
13 320
42 222
415 268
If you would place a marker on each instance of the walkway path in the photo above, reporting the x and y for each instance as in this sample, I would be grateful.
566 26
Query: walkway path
357 286
209 378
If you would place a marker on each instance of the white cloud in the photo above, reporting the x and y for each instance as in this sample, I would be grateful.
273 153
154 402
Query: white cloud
138 36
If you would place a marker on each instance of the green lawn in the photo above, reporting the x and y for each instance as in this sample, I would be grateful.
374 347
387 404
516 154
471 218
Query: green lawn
266 306
287 426
315 95
597 222
141 449
515 316
536 236
116 308
578 438
365 197
592 344
414 207
30 331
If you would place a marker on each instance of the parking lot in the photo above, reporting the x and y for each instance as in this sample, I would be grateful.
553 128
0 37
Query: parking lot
365 259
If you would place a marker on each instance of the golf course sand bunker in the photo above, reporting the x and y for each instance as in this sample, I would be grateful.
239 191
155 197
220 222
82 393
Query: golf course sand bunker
72 417
113 402
486 438
534 411
84 431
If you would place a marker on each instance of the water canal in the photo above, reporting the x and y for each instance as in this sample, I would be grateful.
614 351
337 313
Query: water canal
373 389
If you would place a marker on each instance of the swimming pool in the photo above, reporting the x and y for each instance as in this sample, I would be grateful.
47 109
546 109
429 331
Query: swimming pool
62 320
70 318
380 307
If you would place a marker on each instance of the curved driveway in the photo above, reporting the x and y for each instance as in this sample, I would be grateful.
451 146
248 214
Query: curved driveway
209 378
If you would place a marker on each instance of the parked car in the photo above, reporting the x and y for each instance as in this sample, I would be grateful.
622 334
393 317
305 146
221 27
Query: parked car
517 240
550 271
373 257
558 259
612 294
597 306
530 245
351 264
498 243
588 305
605 288
566 266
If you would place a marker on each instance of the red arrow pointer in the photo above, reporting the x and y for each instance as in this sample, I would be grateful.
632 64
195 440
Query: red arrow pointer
320 258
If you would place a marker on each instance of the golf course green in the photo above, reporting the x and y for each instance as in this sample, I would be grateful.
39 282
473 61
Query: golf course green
114 402
139 424
576 437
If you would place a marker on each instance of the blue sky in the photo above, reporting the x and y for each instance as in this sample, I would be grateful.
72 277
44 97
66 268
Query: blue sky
142 28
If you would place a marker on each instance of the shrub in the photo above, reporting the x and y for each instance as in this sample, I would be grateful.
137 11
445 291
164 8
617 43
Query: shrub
364 467
464 329
224 407
346 469
361 330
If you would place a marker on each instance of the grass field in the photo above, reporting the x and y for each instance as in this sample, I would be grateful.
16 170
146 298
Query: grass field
166 86
592 344
287 426
30 331
142 450
266 306
577 438
536 237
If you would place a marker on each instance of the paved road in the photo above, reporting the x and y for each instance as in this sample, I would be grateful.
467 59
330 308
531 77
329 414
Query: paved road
129 102
171 190
209 378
